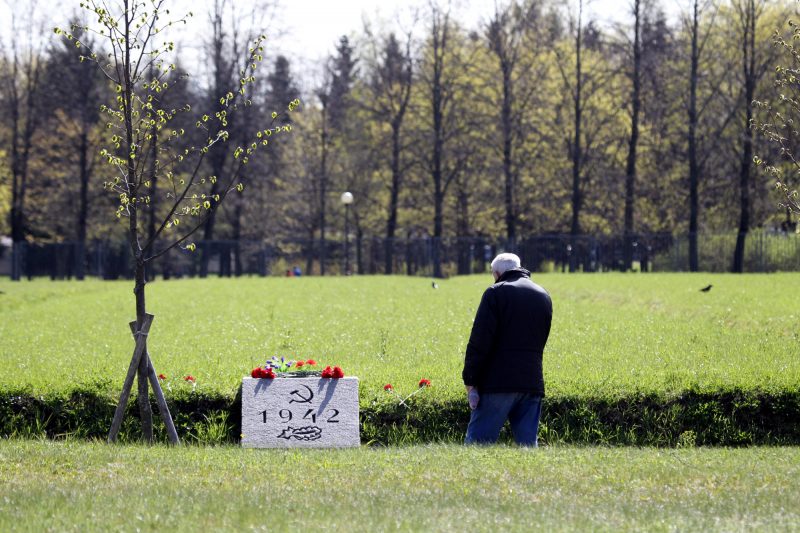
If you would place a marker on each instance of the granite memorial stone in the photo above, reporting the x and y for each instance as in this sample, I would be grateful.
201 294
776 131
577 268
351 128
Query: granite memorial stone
300 412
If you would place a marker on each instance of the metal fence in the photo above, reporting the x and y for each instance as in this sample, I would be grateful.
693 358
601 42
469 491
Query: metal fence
764 252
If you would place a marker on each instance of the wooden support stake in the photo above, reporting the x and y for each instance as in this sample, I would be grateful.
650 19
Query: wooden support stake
145 412
141 344
163 409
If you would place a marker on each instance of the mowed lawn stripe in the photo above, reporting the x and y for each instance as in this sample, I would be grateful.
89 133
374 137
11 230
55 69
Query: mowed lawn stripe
92 486
613 334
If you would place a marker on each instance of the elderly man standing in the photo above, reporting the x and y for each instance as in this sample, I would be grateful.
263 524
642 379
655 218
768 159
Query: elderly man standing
503 363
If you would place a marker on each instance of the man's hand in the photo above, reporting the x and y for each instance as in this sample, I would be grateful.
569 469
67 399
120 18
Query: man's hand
473 397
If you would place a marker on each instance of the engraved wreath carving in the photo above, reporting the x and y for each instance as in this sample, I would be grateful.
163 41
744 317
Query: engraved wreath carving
303 433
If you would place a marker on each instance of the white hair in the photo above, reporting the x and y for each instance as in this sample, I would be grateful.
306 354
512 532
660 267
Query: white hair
504 262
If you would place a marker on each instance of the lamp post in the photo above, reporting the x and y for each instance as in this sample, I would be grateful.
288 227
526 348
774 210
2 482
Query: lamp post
347 199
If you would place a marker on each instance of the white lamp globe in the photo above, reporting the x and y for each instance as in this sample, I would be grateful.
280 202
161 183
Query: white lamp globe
347 198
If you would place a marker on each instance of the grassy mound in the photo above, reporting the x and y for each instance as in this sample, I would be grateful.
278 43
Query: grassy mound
731 418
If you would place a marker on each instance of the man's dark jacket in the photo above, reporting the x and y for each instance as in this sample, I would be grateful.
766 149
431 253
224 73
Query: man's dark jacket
504 353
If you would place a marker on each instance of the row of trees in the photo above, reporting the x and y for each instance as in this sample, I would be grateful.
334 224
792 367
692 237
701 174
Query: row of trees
536 121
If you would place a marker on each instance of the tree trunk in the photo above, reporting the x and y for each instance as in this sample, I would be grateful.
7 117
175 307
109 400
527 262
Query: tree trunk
217 159
437 231
749 68
437 110
152 207
21 140
438 210
694 174
575 227
236 224
17 208
630 170
359 248
222 72
310 252
145 411
462 232
238 268
323 188
83 204
394 194
506 120
17 231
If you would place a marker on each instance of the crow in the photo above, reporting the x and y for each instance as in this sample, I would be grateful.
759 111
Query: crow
434 285
706 289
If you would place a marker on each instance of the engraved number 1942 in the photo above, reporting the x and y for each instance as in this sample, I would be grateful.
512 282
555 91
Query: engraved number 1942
286 415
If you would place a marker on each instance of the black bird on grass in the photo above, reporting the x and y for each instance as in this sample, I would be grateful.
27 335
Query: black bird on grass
706 289
434 285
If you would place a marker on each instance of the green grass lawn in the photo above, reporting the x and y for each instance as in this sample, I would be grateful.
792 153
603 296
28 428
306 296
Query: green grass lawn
60 486
613 334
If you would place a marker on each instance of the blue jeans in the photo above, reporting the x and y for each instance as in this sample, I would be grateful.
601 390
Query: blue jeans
522 409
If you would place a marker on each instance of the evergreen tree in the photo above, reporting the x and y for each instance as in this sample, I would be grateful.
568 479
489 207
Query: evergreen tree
343 73
281 87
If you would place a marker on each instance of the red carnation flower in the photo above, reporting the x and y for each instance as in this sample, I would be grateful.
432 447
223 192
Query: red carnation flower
311 362
190 378
424 383
263 373
388 387
299 364
337 373
328 372
162 377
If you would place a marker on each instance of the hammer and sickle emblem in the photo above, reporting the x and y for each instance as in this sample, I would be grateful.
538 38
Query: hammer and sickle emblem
298 397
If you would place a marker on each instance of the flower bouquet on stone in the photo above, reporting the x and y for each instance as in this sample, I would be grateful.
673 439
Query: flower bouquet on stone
260 372
282 367
422 385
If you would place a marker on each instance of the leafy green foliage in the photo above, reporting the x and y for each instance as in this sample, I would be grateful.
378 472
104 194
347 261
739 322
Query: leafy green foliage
145 139
780 115
395 195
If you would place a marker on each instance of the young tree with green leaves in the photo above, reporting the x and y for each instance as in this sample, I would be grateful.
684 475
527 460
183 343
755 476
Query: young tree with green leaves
135 62
778 121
